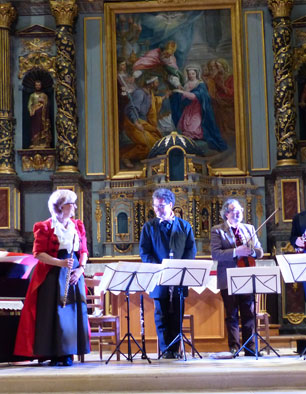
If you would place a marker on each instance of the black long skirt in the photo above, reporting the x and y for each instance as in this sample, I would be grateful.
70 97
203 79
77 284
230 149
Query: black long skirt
61 331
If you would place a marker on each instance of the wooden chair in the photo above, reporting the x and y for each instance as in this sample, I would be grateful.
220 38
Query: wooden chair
263 317
102 326
188 330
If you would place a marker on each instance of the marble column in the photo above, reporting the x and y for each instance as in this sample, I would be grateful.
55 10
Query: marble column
7 158
65 13
285 112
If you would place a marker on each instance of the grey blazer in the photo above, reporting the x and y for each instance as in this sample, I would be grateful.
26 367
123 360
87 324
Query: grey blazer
222 248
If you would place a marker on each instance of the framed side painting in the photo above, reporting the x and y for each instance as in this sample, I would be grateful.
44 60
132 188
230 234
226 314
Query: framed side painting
175 66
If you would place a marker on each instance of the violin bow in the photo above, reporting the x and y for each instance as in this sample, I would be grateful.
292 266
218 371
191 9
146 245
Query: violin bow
262 224
68 275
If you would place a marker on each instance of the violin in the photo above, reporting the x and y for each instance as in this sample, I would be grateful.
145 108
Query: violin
246 261
249 261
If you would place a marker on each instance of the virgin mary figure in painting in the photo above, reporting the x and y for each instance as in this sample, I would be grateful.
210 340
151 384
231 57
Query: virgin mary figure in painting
192 112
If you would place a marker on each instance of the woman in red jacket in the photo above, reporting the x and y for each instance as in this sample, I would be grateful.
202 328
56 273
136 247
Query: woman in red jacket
48 328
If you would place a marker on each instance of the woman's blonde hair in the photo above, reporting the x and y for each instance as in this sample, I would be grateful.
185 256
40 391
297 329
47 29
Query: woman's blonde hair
58 199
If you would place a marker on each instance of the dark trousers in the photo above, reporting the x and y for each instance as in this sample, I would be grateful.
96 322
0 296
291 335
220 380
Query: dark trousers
167 321
245 304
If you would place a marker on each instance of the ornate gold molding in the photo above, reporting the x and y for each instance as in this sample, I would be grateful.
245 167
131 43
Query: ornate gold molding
36 60
108 222
7 15
295 318
64 11
38 162
284 108
98 216
280 8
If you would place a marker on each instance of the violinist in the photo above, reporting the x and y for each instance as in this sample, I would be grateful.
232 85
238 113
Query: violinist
231 241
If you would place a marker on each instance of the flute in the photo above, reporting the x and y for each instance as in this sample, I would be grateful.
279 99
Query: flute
68 275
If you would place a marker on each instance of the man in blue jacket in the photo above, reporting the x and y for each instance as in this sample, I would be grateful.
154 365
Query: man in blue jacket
162 237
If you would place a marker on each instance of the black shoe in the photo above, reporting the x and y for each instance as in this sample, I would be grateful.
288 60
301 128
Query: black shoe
233 350
67 361
54 362
168 354
252 354
177 355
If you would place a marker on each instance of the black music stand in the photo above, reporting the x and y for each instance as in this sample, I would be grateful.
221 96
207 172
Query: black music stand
254 280
183 273
293 269
129 277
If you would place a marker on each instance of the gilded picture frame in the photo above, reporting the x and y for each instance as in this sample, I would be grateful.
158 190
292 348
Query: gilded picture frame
194 51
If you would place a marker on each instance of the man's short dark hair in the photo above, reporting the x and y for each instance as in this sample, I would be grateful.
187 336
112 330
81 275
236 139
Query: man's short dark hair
164 194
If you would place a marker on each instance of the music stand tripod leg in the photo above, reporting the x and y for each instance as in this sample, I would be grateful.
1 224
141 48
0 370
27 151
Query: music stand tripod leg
128 335
180 336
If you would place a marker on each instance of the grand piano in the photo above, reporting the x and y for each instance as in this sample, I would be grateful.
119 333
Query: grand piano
15 270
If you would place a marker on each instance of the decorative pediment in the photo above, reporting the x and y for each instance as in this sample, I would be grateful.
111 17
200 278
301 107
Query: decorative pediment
300 22
36 31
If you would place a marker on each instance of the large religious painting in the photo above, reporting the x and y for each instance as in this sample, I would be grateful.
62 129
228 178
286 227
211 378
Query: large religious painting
175 66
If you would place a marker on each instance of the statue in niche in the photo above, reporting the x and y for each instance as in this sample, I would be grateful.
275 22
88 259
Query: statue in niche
40 127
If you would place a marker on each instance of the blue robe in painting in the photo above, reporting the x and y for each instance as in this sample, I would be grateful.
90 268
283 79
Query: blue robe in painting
211 132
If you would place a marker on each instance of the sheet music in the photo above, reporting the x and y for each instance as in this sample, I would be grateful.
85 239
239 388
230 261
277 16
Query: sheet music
137 276
177 272
266 280
293 267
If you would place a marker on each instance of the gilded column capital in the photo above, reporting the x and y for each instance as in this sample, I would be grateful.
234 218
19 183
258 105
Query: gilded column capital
7 15
280 8
64 11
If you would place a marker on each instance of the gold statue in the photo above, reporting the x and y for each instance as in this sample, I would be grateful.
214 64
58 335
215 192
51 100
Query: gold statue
38 107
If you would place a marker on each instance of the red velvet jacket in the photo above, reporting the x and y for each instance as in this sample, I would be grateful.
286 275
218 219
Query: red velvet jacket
44 241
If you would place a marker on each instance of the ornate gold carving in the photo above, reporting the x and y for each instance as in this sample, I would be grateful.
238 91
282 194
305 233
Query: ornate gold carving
66 118
295 318
37 45
190 211
7 15
108 222
38 162
231 192
128 249
98 217
159 168
280 8
136 225
197 218
141 214
36 60
68 169
7 158
190 166
288 248
284 108
64 11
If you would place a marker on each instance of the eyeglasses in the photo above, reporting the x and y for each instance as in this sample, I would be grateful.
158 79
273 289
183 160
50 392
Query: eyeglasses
71 203
235 210
160 205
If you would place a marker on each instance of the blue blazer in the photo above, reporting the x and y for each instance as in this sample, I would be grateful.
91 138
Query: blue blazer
153 248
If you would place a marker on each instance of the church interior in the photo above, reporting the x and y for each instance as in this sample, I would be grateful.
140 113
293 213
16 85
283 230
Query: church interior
69 70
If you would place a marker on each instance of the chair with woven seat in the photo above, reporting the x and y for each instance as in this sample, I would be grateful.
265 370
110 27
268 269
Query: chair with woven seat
102 326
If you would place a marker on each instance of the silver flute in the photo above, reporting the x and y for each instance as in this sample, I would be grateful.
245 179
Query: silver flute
68 276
